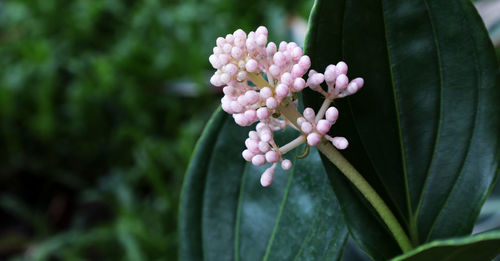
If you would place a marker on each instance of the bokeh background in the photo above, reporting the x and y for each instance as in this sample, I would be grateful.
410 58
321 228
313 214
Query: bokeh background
101 104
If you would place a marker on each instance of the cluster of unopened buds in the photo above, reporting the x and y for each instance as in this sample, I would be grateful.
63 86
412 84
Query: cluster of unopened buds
260 81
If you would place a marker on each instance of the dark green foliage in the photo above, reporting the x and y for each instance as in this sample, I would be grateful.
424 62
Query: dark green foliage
225 214
480 247
424 130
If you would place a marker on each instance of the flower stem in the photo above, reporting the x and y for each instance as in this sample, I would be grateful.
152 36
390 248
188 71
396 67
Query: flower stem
258 80
370 194
292 144
289 111
323 109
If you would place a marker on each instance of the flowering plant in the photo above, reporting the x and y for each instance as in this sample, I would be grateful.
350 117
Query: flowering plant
260 85
423 134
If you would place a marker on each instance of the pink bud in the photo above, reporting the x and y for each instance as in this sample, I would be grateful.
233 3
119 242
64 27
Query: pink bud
214 61
341 82
315 79
264 146
223 59
313 139
217 50
253 135
225 78
286 164
305 62
274 70
296 53
260 126
214 80
341 68
261 30
240 42
340 142
247 155
236 52
252 96
236 106
243 100
352 87
266 92
261 40
332 114
242 75
226 106
330 74
229 90
251 44
239 34
262 113
241 64
266 135
271 103
227 48
282 90
283 46
279 59
287 78
271 49
258 160
300 121
309 114
306 127
251 115
267 177
251 65
229 38
323 126
220 41
226 99
299 84
290 46
272 156
240 119
297 71
359 81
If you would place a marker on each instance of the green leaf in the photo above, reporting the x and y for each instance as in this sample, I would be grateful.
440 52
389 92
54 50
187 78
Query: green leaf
424 128
225 214
477 247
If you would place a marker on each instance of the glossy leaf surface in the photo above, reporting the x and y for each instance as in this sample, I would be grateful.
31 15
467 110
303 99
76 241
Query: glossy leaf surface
225 214
424 128
480 247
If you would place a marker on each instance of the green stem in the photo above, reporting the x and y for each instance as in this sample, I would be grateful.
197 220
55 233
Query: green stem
370 194
289 111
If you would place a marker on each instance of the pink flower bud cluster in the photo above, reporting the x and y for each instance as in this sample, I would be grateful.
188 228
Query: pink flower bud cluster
238 57
316 130
336 79
257 76
261 149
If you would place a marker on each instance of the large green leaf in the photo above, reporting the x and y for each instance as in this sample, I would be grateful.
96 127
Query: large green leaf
225 214
480 247
424 129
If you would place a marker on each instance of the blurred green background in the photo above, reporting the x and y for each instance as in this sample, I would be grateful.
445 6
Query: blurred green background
101 104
